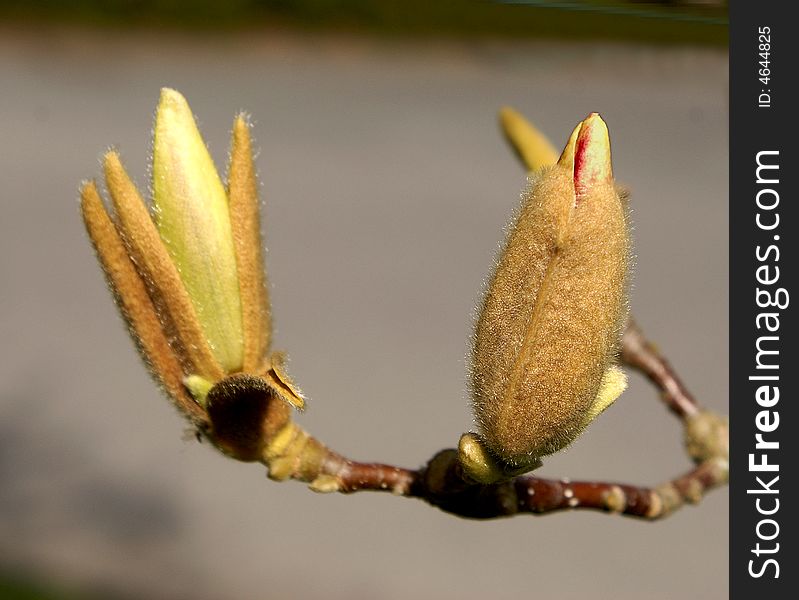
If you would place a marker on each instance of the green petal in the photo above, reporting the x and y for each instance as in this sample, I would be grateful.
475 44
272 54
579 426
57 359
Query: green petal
191 212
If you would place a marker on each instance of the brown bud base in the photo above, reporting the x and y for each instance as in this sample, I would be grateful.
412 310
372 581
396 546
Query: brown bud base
245 411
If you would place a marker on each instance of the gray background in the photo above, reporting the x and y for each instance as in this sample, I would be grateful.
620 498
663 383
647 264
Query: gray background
387 186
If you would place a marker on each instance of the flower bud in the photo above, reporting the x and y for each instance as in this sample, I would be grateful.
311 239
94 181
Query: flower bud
190 283
547 335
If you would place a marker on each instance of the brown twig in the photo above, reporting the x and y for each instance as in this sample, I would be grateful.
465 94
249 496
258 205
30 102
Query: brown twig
529 494
442 482
640 354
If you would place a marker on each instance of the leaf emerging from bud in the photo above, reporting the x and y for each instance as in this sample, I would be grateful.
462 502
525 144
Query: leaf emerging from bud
547 334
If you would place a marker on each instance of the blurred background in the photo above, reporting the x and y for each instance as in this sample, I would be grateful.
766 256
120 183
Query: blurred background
386 187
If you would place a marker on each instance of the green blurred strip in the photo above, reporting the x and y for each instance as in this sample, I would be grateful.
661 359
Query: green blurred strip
511 19
622 11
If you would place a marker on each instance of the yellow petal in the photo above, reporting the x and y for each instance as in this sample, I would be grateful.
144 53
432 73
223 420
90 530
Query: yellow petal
566 159
592 166
479 464
531 146
587 155
614 382
193 220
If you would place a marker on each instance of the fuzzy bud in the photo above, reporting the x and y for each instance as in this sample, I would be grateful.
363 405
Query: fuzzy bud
190 284
547 335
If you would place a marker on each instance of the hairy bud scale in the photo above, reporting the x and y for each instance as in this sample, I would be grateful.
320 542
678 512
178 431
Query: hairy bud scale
546 338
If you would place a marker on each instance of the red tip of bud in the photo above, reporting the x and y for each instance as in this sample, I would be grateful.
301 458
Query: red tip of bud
591 155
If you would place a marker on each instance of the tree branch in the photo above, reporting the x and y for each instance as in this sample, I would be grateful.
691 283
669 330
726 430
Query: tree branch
442 482
640 354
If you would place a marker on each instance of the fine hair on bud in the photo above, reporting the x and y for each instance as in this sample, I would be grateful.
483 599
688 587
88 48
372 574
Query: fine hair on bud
548 330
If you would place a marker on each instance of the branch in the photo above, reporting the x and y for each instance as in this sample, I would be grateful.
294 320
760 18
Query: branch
293 454
640 354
